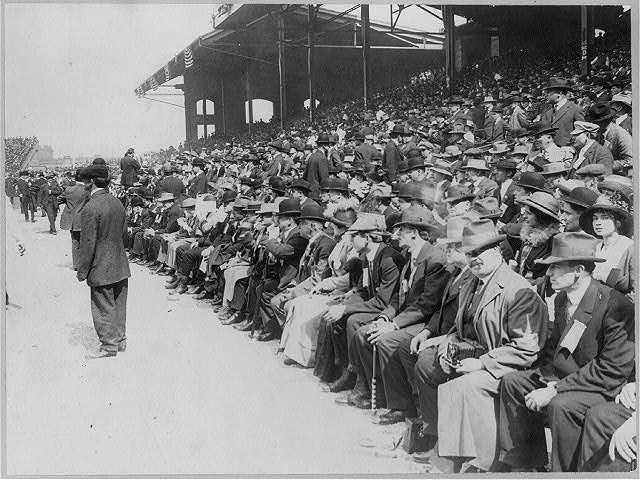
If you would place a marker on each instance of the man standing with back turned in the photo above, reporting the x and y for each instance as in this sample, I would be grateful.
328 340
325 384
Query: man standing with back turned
103 262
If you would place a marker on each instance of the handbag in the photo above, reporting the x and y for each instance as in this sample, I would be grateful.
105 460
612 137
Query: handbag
460 349
414 439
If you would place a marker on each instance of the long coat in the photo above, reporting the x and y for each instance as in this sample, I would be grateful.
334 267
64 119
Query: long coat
563 119
316 172
74 198
423 297
443 319
392 160
288 252
363 155
102 259
197 185
130 168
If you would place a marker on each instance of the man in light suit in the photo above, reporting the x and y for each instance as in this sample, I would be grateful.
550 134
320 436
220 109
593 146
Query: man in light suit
563 113
103 262
420 289
588 358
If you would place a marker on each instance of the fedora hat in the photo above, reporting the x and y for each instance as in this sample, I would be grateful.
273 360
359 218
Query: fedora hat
542 128
520 150
606 204
312 211
599 112
343 217
487 207
406 190
166 197
476 164
324 139
519 132
368 222
532 181
458 193
443 168
189 203
507 164
452 150
543 202
581 196
454 229
419 217
571 246
557 83
414 163
277 184
335 185
499 148
289 207
479 234
554 168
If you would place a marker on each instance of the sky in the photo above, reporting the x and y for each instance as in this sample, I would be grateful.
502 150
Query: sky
71 71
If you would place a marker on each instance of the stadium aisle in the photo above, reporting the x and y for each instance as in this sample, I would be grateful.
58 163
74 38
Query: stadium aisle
188 395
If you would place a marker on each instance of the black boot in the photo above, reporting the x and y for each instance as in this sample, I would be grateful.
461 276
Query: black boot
346 381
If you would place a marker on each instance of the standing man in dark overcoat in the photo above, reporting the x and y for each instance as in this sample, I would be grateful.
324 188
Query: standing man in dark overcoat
130 168
103 262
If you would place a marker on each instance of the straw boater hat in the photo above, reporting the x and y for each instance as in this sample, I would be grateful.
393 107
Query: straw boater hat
571 246
268 209
542 202
618 210
480 234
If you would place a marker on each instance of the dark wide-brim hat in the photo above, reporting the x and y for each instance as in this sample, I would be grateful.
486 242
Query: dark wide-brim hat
599 112
557 83
625 217
343 218
418 217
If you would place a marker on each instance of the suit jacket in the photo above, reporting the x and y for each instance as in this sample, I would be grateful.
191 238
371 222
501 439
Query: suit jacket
493 127
563 119
443 319
392 160
627 125
316 172
316 255
168 222
49 192
102 259
288 252
421 299
604 356
363 155
596 153
619 142
510 321
198 185
129 167
74 197
171 184
518 118
383 279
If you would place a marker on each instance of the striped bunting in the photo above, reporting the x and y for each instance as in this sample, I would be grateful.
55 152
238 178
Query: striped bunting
188 58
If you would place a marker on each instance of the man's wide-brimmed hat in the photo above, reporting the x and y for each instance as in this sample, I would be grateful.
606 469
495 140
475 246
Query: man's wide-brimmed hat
543 202
480 234
189 203
414 163
455 227
580 196
301 184
487 207
324 138
399 129
557 83
442 167
289 208
605 204
166 197
369 222
343 217
476 164
278 184
599 112
571 246
506 164
542 128
554 168
418 217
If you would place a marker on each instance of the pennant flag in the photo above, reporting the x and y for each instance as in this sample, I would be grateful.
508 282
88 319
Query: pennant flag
188 58
167 74
153 83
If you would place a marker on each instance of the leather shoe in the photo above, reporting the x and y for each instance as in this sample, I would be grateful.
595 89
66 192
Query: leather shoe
346 382
243 326
391 417
194 289
181 289
289 361
103 354
233 318
362 403
216 301
122 346
266 336
172 285
201 296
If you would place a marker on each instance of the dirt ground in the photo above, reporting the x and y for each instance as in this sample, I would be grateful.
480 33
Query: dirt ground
189 396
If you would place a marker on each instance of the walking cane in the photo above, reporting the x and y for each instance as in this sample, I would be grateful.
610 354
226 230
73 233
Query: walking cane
373 379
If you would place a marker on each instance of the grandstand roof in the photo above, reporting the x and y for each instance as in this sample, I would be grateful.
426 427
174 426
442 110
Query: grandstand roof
250 32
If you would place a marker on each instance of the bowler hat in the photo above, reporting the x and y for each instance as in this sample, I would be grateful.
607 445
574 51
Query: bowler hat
543 202
312 211
599 112
617 209
571 246
581 196
289 207
277 184
95 171
479 234
531 181
414 163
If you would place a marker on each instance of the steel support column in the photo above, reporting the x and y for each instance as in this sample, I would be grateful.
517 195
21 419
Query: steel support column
249 96
587 34
449 48
310 43
191 129
282 71
223 109
364 17
204 116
